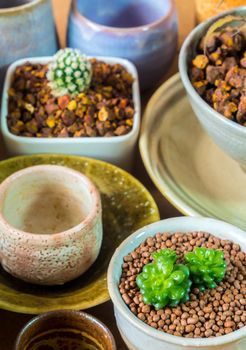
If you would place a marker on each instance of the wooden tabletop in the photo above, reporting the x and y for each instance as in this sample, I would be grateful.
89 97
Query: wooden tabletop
11 323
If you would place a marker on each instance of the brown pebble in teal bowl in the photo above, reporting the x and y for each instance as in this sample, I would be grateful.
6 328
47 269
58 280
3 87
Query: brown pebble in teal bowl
65 329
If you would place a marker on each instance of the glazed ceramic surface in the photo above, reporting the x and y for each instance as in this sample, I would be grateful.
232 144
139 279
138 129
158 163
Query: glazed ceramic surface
143 31
27 29
139 335
50 224
126 206
71 329
118 149
188 168
207 9
228 135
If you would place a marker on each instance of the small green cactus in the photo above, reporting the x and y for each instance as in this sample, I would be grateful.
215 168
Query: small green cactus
163 282
207 267
69 73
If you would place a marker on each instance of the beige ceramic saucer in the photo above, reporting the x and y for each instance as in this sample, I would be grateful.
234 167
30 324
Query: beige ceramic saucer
184 163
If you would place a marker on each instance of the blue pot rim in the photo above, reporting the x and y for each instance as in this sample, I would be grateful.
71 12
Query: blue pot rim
117 30
18 9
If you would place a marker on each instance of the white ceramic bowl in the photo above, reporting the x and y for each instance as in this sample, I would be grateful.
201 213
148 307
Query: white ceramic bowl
116 149
228 135
138 335
50 224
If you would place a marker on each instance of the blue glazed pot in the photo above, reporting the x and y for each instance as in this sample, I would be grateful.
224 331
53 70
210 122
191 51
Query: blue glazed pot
27 30
143 31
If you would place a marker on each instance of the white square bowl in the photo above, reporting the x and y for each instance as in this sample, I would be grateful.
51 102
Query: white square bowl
116 149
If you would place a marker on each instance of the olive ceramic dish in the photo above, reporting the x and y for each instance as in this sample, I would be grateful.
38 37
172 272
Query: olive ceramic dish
118 150
126 206
69 329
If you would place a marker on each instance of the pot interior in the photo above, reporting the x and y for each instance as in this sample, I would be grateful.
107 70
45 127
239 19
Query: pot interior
67 338
65 330
13 3
46 202
124 13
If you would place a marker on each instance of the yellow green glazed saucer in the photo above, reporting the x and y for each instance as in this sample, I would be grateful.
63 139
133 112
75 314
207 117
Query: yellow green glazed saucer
193 173
127 206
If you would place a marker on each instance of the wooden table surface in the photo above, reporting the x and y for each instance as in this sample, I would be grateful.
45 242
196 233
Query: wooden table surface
11 323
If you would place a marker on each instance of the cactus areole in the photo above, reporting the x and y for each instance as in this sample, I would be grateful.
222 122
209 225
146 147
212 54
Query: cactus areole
69 73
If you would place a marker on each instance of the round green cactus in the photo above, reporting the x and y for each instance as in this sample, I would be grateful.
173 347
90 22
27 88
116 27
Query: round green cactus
163 282
69 73
207 267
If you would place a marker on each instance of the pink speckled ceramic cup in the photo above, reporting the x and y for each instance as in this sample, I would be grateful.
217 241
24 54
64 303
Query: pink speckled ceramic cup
50 224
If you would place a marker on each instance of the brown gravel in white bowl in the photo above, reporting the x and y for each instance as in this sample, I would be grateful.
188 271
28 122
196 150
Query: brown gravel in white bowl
212 313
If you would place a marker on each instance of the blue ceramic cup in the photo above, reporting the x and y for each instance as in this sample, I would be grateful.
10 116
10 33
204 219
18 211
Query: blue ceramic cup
27 29
142 31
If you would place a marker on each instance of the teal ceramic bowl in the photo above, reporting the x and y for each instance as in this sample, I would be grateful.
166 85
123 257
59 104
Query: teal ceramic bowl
27 29
227 134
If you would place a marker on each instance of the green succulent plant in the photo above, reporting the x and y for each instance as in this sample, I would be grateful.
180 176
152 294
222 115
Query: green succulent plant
69 73
163 282
207 267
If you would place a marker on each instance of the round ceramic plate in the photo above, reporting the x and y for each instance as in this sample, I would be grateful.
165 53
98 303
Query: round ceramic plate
196 176
127 206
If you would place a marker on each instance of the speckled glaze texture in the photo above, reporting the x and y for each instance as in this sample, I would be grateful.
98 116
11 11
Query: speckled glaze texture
126 206
227 134
49 258
151 46
65 328
26 31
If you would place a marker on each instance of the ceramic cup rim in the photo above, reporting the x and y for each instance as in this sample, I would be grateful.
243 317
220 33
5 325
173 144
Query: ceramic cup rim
183 69
143 233
94 194
71 313
118 30
19 8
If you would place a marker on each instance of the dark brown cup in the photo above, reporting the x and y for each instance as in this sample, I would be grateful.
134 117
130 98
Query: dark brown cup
67 327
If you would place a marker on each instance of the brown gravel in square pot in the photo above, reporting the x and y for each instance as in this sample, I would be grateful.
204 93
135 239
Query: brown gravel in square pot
105 109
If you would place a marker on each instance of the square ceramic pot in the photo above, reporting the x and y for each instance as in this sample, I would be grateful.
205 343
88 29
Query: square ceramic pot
116 149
